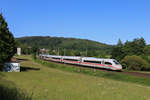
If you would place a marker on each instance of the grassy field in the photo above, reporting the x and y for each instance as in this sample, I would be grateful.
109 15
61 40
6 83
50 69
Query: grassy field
52 84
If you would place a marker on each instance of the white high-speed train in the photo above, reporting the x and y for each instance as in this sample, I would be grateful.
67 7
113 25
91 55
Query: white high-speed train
111 64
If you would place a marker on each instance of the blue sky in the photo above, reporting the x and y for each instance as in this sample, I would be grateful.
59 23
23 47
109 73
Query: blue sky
100 20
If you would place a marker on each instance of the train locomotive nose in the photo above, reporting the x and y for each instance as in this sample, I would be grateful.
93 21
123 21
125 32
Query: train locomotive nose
119 67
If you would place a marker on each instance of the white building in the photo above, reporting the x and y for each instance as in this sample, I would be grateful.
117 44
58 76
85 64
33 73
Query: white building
18 51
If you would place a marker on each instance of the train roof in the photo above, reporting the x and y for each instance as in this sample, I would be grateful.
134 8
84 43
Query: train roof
72 57
98 59
78 57
55 56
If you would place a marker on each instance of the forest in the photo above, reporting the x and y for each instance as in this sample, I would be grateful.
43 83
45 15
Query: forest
64 46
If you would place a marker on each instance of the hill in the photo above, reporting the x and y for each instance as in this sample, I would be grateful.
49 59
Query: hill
61 42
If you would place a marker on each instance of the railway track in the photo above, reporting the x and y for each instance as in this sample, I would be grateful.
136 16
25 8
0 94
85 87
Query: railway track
137 74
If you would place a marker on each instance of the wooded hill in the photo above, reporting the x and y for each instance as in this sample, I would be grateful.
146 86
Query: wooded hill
61 42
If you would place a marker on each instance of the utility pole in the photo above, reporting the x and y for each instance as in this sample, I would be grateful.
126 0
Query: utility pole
86 48
86 52
58 51
64 51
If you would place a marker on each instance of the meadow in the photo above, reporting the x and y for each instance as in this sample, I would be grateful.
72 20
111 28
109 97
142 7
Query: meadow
55 84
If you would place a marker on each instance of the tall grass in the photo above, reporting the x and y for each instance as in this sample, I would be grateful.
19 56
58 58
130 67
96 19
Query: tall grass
110 75
7 93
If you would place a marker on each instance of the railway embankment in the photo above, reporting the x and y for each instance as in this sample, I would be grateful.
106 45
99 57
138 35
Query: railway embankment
133 77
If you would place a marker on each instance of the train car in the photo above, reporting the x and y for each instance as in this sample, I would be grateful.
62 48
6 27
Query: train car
55 58
110 64
71 59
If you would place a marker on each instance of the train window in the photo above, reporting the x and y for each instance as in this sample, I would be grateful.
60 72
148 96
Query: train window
98 62
71 59
116 62
108 63
55 58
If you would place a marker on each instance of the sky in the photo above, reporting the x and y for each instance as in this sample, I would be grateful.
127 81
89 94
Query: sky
100 20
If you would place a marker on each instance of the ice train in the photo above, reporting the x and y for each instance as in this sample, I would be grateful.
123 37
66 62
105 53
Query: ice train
110 64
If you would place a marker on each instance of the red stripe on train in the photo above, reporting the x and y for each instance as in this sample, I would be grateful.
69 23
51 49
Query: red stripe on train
77 62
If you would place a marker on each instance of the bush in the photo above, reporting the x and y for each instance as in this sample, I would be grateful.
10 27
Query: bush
134 63
146 58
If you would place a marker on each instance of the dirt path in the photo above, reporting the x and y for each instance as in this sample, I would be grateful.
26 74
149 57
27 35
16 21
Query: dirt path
138 74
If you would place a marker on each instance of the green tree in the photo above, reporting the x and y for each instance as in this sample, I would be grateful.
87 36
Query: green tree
35 51
119 44
117 51
147 50
135 47
7 42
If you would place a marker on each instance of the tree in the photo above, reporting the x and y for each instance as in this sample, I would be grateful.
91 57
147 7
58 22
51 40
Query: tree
135 47
119 44
147 50
7 42
117 51
35 51
101 54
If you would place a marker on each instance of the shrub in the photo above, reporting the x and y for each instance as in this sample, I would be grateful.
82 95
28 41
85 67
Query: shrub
134 63
146 57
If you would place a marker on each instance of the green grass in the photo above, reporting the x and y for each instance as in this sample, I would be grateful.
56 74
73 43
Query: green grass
146 72
53 84
110 75
8 91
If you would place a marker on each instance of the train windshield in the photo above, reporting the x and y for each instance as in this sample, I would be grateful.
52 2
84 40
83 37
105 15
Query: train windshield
116 62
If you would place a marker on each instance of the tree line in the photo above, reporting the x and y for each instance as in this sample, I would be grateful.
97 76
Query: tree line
55 43
135 55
